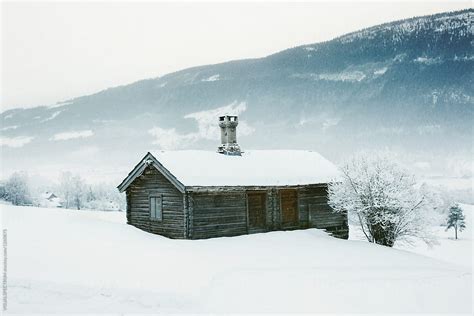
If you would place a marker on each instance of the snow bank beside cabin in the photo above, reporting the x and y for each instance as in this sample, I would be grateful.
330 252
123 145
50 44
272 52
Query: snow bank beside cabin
92 262
254 167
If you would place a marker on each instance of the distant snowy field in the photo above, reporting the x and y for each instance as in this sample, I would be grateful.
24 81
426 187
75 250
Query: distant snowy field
92 262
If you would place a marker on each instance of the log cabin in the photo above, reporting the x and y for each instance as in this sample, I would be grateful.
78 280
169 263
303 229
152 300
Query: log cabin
196 194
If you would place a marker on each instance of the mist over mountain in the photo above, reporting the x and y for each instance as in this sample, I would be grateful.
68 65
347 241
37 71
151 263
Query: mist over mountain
405 86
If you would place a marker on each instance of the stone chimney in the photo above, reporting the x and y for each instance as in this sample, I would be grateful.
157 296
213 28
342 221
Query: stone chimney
228 125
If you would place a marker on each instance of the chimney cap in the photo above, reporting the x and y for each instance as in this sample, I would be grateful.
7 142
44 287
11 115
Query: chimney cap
228 117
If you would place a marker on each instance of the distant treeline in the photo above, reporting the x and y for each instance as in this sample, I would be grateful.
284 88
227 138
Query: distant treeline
71 191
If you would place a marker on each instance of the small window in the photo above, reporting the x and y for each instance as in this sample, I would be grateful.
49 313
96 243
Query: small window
156 208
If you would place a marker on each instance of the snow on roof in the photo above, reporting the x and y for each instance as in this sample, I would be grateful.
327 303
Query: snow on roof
255 167
48 195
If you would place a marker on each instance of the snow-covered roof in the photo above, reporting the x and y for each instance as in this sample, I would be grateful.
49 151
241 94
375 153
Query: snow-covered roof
49 196
253 168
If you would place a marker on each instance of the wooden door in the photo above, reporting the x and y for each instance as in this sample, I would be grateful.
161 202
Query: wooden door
257 209
289 207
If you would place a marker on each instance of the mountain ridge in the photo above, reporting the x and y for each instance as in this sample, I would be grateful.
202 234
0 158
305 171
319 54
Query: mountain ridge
405 86
339 37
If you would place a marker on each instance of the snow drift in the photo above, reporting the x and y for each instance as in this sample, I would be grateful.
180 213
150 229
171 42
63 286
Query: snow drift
87 261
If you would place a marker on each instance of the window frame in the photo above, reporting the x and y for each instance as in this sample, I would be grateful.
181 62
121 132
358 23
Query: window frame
158 198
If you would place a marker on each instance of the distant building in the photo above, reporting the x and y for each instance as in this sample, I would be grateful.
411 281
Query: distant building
49 199
195 194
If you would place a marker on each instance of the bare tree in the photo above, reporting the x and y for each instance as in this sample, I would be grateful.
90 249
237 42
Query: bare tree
384 198
17 190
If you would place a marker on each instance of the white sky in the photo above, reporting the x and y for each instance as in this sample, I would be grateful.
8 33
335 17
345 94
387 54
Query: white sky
54 51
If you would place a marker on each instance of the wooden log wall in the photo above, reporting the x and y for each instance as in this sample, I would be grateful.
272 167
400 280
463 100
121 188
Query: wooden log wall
129 206
152 182
201 213
218 214
315 212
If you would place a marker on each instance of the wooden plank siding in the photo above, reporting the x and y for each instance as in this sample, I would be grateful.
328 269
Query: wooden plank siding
289 208
259 212
152 182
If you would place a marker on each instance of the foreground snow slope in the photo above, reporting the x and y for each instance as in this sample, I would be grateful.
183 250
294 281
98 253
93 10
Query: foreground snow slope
79 261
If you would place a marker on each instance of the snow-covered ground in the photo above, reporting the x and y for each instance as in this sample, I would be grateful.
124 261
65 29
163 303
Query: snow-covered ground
445 247
88 261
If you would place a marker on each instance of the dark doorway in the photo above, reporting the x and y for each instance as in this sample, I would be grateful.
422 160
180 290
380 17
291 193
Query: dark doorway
289 207
257 210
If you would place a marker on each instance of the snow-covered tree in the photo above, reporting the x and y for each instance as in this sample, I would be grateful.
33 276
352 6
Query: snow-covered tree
105 196
3 193
384 198
66 188
90 195
456 220
78 191
72 189
17 190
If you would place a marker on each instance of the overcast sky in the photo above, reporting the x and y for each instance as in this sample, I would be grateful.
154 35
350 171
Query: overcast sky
56 51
